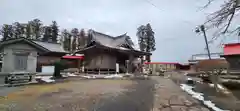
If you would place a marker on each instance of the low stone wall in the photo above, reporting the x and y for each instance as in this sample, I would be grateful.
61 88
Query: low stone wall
2 79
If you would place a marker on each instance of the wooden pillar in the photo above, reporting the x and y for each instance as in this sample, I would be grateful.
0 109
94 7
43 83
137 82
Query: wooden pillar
78 65
117 68
130 64
99 71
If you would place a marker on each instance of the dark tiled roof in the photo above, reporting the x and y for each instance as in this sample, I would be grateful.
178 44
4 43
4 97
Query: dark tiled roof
114 42
53 47
46 46
110 41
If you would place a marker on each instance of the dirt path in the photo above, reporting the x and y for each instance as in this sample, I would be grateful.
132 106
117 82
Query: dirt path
169 97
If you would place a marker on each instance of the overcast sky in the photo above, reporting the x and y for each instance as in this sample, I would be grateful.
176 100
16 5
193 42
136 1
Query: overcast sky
173 21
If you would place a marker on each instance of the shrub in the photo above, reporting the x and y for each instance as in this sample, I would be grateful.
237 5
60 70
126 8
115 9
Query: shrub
58 66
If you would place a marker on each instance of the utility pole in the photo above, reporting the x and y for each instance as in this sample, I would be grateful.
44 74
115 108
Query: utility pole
202 28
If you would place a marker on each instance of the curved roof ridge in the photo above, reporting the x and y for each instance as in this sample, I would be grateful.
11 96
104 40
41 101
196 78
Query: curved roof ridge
102 33
120 36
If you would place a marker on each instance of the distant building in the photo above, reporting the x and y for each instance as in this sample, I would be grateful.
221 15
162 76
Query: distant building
202 57
103 52
167 66
21 54
232 55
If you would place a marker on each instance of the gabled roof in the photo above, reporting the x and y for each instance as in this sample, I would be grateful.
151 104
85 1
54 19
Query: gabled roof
110 41
118 43
53 47
44 46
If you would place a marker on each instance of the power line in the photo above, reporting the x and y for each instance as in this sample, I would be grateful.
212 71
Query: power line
152 4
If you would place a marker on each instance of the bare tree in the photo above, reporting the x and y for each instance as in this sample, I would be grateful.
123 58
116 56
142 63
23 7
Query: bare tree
222 18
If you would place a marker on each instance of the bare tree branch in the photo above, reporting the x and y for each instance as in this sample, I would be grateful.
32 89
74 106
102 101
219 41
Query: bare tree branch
223 16
209 2
230 20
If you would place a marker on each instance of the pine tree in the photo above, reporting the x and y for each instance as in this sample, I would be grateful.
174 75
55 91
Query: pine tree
55 31
37 28
81 39
6 32
141 34
28 32
47 34
150 39
19 30
146 39
66 36
75 34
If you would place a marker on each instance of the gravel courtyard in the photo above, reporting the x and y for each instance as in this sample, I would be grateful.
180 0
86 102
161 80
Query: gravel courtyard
155 94
82 95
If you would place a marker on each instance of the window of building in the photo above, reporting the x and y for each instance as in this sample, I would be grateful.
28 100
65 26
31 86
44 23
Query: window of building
20 62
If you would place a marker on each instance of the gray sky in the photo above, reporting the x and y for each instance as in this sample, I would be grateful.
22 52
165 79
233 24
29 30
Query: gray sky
173 21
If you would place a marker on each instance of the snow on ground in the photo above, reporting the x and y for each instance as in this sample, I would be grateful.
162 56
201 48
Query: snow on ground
219 86
71 75
45 78
200 97
89 77
103 76
189 79
113 76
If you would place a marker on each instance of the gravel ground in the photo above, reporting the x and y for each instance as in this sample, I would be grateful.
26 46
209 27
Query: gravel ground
4 91
84 95
140 98
155 94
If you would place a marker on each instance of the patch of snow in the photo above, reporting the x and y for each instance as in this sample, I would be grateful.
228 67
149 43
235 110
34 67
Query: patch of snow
102 76
71 75
219 86
123 48
38 77
198 81
145 76
113 76
79 54
47 79
200 97
89 77
64 75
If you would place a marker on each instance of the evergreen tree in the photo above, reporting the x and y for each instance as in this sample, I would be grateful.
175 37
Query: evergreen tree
55 30
75 34
141 34
47 34
37 28
146 39
81 39
66 36
150 39
19 30
28 32
6 32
